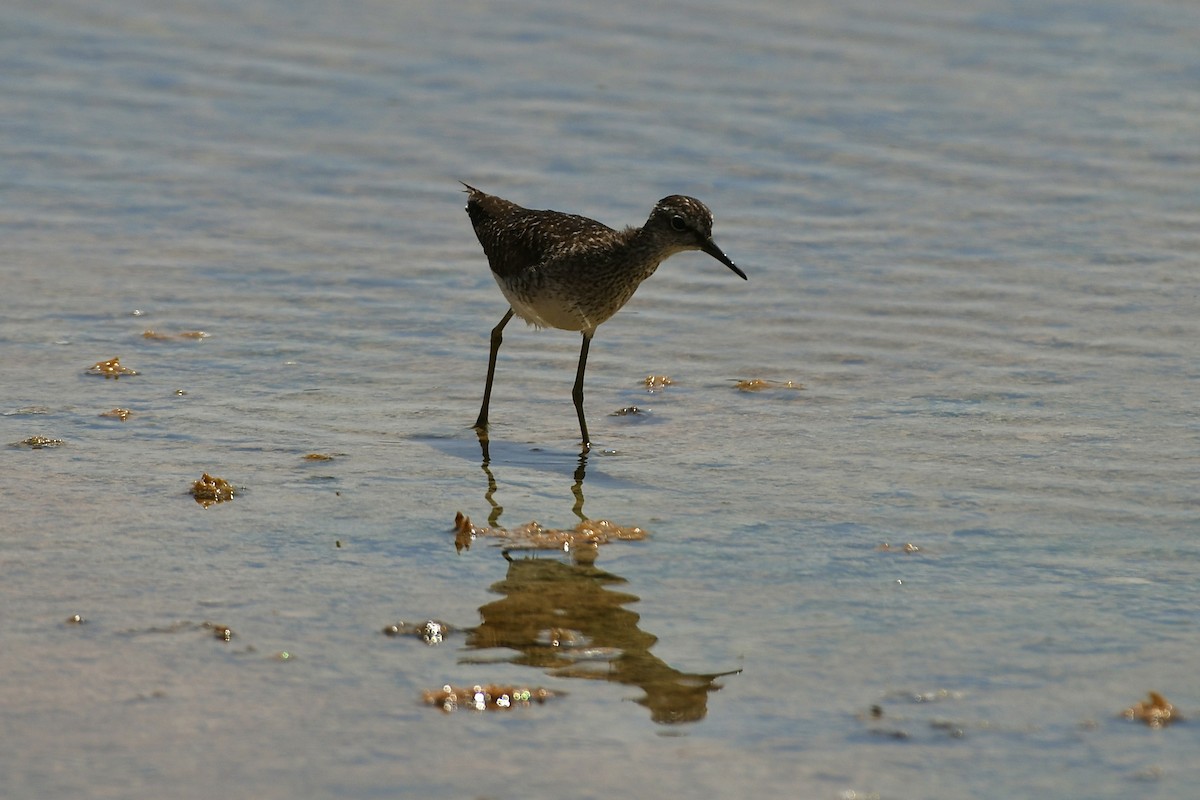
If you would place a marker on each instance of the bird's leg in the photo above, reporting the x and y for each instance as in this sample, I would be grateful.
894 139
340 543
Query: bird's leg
577 392
497 337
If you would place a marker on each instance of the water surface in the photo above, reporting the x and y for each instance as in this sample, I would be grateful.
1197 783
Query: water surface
971 236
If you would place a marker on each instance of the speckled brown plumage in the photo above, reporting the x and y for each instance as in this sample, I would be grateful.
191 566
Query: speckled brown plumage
566 271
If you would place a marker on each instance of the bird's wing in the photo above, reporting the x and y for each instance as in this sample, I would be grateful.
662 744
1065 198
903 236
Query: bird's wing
517 239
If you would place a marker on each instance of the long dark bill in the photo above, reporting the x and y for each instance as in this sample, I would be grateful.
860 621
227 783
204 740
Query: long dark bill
711 248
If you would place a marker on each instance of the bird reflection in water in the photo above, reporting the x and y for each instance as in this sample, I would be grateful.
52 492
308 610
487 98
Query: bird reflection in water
568 620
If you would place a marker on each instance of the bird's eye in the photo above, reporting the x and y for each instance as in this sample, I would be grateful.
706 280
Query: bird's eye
678 224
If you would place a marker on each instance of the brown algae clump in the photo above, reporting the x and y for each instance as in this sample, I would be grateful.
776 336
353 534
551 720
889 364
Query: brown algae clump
907 547
759 385
110 369
431 631
485 698
534 536
655 383
1156 711
209 490
219 631
38 442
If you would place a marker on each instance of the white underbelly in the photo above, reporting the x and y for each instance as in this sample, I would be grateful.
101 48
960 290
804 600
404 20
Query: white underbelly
547 311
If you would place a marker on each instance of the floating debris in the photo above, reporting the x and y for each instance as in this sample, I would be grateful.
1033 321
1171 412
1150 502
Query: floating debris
318 457
118 413
431 631
219 631
209 490
75 619
38 442
759 385
534 536
908 547
156 336
655 383
110 369
485 698
1156 711
215 630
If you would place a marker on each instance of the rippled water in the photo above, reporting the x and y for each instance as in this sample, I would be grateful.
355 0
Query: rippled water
971 231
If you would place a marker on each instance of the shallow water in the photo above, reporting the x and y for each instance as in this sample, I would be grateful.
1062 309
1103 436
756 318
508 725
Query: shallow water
971 235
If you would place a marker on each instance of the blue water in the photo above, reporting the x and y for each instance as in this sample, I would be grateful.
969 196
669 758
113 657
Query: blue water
971 234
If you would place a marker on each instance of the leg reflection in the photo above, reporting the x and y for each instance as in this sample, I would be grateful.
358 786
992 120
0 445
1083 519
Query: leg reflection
577 488
485 462
490 494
